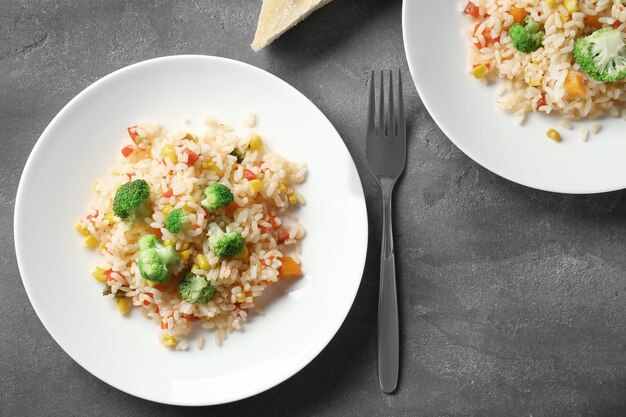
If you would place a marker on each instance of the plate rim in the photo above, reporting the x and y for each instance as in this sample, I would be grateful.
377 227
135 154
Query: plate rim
414 71
20 257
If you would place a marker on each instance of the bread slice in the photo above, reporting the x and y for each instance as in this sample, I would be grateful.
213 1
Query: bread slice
278 16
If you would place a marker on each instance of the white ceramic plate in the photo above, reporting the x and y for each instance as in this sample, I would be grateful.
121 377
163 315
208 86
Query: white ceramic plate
86 137
465 110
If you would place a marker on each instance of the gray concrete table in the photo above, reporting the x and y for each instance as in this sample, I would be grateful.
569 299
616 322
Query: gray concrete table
512 301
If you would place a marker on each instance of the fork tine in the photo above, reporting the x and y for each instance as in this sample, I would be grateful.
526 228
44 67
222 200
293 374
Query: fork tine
381 109
391 124
401 117
371 111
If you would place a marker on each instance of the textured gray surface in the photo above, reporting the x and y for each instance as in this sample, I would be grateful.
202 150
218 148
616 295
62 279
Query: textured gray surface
512 301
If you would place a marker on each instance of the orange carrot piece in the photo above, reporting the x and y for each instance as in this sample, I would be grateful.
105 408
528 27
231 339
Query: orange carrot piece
518 14
230 210
593 21
289 268
575 86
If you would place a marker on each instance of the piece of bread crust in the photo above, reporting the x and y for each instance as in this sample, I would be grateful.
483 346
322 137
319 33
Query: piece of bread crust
278 16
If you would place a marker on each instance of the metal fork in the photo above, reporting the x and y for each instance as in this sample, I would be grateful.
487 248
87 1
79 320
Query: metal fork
386 157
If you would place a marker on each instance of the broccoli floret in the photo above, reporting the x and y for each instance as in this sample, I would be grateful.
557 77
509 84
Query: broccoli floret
237 154
224 245
216 195
602 55
154 259
176 221
131 200
526 36
107 291
196 289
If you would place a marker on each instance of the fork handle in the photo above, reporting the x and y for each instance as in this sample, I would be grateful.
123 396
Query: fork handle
388 331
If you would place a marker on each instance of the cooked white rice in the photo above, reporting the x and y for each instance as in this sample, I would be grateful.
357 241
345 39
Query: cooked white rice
263 218
584 134
534 82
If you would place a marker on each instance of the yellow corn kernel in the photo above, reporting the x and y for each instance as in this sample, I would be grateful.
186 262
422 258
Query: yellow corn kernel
101 245
552 4
480 71
194 267
243 254
571 5
202 262
256 185
185 254
535 83
282 187
98 274
554 135
81 229
167 209
168 242
108 216
256 143
123 305
191 136
90 241
188 209
293 199
169 341
169 152
184 245
211 166
240 298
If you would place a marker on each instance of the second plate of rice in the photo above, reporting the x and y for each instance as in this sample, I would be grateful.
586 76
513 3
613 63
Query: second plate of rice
188 201
519 103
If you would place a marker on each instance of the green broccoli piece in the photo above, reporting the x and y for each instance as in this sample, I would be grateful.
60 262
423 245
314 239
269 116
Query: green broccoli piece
237 154
526 36
196 289
154 259
176 221
216 195
602 55
107 291
224 245
131 200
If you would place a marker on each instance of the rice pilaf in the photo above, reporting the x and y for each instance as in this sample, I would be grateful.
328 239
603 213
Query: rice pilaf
178 167
547 79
